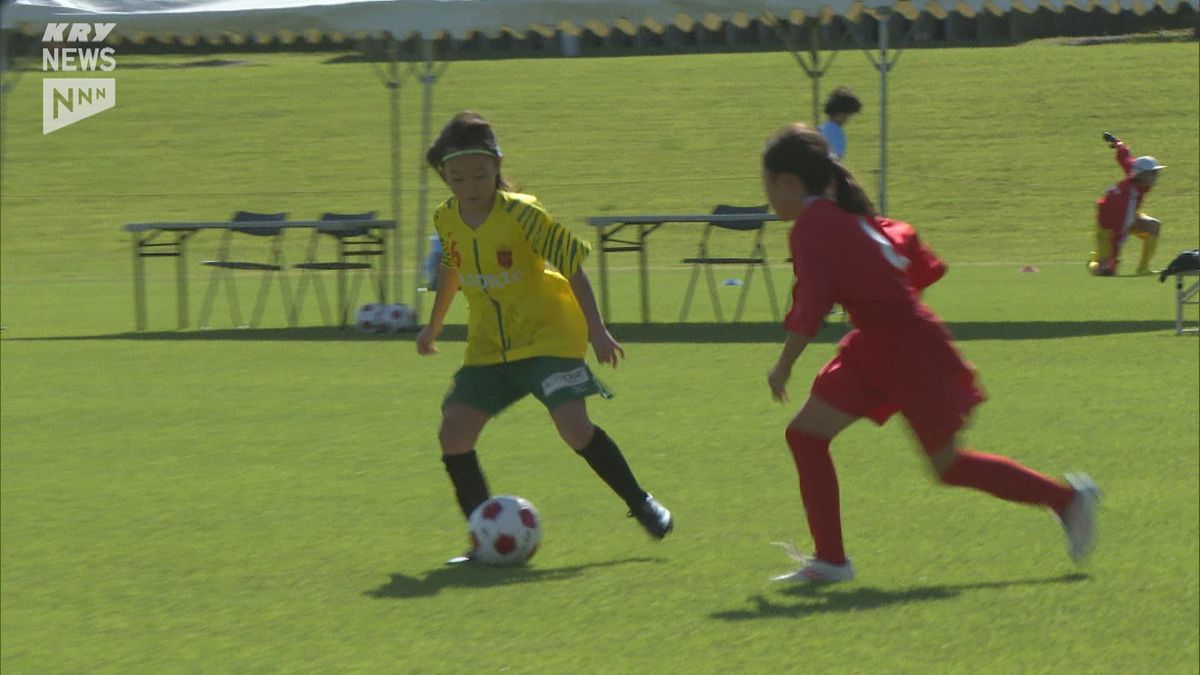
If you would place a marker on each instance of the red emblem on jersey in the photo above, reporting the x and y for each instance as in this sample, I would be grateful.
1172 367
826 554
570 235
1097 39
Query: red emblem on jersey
504 258
455 256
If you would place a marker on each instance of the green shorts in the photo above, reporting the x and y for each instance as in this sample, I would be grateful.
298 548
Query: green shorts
551 379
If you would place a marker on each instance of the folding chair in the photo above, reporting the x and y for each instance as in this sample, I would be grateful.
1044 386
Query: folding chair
224 267
1189 295
359 243
1186 264
706 261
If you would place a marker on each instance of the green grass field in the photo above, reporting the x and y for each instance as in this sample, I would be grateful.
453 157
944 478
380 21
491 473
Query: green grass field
271 500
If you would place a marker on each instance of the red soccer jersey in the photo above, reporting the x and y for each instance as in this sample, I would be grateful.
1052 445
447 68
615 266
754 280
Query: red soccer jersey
1117 208
872 267
899 347
924 268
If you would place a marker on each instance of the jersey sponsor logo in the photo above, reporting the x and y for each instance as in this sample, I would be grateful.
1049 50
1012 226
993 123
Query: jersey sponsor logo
492 281
504 258
571 378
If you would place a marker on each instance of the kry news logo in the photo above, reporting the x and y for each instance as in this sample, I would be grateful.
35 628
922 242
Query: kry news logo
66 100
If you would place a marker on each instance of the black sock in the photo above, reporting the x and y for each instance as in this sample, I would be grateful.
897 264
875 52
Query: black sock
605 458
469 484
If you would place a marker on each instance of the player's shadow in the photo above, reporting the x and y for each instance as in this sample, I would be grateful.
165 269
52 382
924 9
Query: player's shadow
483 576
819 600
299 334
633 333
835 329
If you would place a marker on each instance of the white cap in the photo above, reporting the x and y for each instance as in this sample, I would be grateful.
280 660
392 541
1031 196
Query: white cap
1145 163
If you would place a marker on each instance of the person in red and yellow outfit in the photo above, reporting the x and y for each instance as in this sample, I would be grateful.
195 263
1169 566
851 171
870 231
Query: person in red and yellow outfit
1117 214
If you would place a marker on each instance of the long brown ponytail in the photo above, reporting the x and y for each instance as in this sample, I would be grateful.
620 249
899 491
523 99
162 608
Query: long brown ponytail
850 195
803 152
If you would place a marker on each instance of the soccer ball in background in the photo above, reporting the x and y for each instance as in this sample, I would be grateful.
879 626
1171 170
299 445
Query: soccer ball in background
378 318
370 319
398 318
505 531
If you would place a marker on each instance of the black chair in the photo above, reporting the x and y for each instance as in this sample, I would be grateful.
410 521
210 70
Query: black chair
1186 264
356 246
224 267
705 260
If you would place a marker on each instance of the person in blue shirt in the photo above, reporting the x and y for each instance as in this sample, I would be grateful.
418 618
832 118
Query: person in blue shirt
433 261
840 105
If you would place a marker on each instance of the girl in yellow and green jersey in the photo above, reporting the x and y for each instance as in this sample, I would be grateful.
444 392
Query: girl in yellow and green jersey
532 314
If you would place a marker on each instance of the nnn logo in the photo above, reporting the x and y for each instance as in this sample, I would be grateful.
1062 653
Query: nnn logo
68 100
65 49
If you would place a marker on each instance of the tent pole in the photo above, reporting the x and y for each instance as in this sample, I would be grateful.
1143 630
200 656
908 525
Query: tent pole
428 79
8 80
3 101
814 71
814 46
397 235
883 65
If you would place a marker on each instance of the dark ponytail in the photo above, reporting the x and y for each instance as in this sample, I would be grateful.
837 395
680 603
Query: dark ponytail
850 195
802 152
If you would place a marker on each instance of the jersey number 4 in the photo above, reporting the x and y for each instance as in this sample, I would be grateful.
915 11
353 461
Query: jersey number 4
885 246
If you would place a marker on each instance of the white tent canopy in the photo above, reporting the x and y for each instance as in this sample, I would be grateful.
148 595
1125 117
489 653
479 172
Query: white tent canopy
431 20
455 18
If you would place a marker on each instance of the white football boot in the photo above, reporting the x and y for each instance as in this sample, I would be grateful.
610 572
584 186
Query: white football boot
1079 519
813 570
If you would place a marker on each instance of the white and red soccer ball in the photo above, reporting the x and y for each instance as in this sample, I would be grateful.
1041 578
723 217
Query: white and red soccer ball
381 318
505 530
369 319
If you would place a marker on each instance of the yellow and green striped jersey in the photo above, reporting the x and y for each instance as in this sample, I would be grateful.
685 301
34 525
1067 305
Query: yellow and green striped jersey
513 269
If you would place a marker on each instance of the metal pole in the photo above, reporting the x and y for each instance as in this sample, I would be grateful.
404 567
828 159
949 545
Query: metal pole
644 271
181 280
1179 297
814 46
393 86
5 87
428 78
814 71
883 66
139 285
603 264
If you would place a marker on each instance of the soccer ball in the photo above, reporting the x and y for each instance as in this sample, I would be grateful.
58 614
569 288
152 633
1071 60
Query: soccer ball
505 531
396 318
377 318
370 319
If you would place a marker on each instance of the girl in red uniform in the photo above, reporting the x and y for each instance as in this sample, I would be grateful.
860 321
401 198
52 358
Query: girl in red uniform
898 358
1117 214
